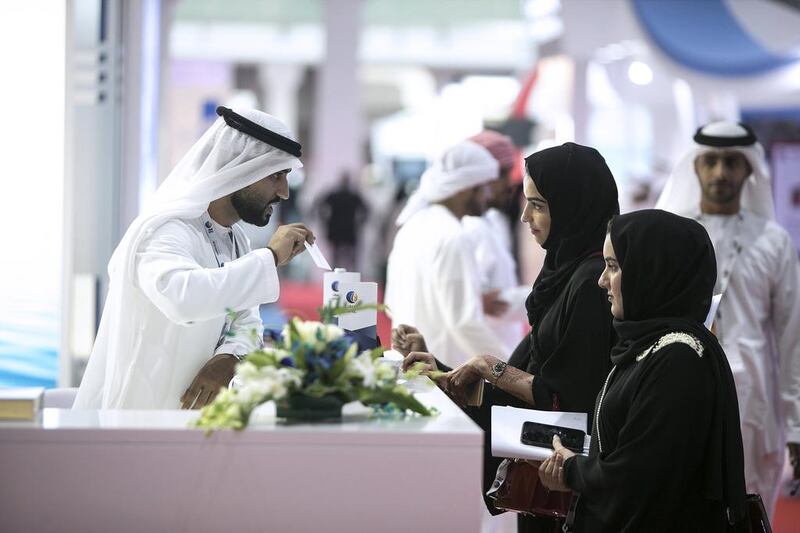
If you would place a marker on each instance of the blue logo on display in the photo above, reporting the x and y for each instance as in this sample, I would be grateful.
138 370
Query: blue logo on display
352 297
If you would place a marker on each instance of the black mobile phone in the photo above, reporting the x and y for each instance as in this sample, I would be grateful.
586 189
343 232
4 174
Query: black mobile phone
536 434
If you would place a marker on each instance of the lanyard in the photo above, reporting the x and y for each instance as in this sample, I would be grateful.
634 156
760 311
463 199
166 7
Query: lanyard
216 245
216 242
729 263
733 251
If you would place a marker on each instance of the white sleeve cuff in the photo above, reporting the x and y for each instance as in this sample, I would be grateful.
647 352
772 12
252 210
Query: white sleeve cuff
233 348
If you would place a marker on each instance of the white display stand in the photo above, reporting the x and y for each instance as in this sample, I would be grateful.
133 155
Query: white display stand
145 471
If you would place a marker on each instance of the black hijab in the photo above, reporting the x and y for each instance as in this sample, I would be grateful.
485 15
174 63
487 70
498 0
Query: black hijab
668 274
582 196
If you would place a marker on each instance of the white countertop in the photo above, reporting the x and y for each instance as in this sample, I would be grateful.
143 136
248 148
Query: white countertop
356 425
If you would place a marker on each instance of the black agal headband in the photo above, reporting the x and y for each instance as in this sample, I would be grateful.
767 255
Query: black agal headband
237 121
718 141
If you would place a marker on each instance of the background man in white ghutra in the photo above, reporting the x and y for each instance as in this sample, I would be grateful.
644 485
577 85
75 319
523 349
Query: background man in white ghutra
723 182
432 279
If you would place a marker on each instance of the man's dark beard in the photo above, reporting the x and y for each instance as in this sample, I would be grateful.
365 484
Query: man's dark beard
250 209
475 207
727 195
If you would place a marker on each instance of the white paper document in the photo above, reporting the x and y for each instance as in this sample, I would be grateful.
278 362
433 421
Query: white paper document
316 255
507 428
713 311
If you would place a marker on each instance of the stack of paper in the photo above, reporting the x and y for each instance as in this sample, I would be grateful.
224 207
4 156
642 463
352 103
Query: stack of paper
507 429
20 404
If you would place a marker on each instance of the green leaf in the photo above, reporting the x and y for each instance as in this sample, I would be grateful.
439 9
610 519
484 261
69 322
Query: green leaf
397 395
375 353
261 359
330 311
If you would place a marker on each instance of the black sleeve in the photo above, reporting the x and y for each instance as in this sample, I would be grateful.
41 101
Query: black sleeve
575 371
441 366
658 449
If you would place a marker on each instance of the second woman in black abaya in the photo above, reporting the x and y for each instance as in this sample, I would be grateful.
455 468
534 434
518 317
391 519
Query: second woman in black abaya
666 452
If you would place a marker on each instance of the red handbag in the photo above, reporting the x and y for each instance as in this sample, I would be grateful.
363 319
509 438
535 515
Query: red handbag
517 488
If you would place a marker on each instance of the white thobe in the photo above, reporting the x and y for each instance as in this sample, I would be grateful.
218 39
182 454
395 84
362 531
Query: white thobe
433 284
491 237
179 309
758 325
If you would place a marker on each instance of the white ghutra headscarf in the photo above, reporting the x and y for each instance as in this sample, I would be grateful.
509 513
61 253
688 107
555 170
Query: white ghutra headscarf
682 190
223 161
458 168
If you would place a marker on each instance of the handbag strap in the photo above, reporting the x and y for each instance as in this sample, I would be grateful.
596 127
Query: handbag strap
573 504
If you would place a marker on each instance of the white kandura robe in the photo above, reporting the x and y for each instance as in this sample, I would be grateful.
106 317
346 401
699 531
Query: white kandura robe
758 324
433 284
491 237
179 309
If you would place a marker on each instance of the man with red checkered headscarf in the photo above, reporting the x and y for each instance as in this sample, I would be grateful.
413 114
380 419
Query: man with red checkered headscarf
503 296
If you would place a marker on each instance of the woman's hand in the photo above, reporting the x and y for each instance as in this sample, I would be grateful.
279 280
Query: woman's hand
429 368
425 358
551 472
407 339
457 383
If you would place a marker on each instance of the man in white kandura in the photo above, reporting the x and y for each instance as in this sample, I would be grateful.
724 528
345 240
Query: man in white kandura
723 182
185 286
503 296
432 279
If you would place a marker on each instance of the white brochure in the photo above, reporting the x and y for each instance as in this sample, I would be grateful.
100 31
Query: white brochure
712 312
507 428
316 255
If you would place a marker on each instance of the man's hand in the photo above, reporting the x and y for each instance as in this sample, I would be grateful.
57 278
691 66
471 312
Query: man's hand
492 304
215 374
551 472
407 339
287 242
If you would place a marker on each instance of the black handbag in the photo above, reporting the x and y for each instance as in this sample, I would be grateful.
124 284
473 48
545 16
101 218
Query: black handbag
756 518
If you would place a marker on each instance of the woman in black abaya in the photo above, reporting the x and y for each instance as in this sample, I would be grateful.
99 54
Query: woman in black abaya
570 196
666 451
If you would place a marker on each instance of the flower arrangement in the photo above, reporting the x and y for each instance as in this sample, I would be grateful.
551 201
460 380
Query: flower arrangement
310 373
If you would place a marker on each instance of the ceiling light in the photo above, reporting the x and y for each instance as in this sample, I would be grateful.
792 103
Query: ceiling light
640 73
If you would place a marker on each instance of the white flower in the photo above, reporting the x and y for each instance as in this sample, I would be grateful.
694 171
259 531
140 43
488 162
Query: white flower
226 396
307 331
246 370
363 366
266 383
385 372
332 332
